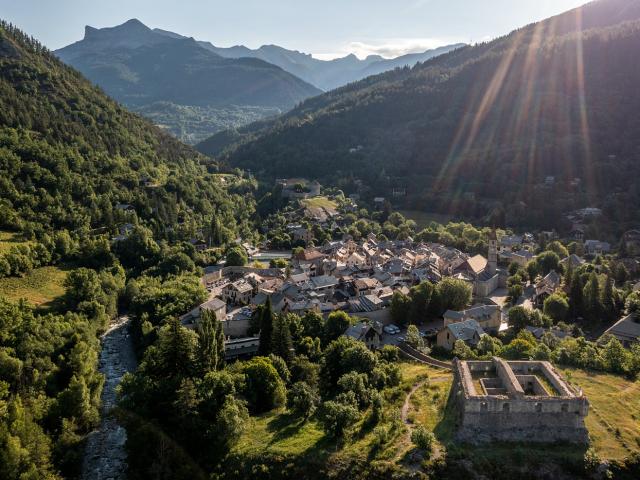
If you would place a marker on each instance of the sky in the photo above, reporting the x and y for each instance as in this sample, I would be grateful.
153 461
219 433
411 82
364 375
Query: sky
326 28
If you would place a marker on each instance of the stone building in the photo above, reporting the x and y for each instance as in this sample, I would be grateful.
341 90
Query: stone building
522 401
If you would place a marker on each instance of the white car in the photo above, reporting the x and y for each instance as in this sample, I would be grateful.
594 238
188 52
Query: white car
392 329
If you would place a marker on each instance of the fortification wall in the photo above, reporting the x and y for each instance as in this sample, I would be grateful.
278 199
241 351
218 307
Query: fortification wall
514 415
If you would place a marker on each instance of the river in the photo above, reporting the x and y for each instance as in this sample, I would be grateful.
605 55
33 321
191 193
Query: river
105 456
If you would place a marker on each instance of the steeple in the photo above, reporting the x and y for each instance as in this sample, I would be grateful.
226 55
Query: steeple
492 259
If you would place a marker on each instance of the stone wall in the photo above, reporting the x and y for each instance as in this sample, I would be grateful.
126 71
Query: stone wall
514 415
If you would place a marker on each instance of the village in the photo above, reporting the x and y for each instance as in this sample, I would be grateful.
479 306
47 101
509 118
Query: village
360 277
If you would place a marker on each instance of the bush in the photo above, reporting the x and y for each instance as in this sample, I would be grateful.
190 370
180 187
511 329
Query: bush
422 438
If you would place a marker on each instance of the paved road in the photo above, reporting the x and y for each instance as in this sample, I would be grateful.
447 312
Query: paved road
105 456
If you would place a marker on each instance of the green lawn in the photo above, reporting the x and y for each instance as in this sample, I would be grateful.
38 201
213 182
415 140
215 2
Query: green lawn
39 287
319 202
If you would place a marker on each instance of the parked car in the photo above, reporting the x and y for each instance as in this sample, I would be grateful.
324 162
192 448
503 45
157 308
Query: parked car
391 329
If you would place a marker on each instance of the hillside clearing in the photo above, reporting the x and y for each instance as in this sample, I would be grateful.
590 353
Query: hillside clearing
319 202
39 287
9 240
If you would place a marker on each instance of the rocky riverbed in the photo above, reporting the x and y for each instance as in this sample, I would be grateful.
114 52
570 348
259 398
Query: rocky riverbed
105 457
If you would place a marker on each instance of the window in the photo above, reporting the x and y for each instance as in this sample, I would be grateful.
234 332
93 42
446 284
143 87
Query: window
506 407
538 407
565 407
484 407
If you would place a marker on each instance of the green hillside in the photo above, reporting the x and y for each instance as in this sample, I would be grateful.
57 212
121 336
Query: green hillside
479 128
70 155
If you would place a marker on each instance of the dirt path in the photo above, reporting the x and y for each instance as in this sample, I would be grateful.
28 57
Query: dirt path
105 456
407 402
404 415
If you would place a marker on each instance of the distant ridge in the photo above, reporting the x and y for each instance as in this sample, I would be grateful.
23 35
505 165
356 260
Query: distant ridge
148 70
324 74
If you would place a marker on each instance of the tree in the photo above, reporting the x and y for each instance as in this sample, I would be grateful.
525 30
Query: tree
236 257
264 389
413 337
400 308
615 356
576 294
548 261
281 343
216 237
515 290
337 323
556 307
463 351
518 318
558 248
632 303
266 328
592 298
313 324
358 384
342 356
489 345
608 301
210 342
302 400
453 293
177 347
420 298
336 417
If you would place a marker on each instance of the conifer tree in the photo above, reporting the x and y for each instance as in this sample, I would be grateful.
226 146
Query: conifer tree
210 342
281 343
266 329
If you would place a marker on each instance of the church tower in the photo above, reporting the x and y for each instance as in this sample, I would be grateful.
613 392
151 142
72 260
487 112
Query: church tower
492 260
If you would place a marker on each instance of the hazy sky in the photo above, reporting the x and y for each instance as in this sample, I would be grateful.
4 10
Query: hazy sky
326 28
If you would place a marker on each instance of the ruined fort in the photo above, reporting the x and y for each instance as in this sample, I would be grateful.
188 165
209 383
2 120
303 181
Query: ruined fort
525 401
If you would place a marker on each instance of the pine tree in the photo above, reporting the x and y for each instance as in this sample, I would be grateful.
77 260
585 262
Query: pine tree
591 298
281 343
220 346
266 329
607 299
210 342
576 295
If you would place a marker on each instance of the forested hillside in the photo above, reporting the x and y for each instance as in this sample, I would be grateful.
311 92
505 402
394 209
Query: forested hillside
70 155
480 129
75 168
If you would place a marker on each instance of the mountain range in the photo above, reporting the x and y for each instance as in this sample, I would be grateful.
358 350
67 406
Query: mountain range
324 74
157 74
529 125
195 89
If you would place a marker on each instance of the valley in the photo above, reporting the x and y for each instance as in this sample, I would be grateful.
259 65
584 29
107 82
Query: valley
244 262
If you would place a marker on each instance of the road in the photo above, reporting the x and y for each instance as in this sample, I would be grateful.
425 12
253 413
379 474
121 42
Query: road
105 456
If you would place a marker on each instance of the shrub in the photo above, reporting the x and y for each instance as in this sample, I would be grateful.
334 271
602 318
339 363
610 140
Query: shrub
422 438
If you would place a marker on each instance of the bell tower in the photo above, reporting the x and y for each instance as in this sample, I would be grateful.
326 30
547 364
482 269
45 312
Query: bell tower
492 259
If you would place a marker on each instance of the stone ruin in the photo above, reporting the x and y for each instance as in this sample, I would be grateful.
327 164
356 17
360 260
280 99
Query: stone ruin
523 401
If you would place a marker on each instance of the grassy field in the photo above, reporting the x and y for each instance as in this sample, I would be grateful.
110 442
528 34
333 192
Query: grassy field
423 219
8 240
613 424
39 287
278 433
614 413
319 202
